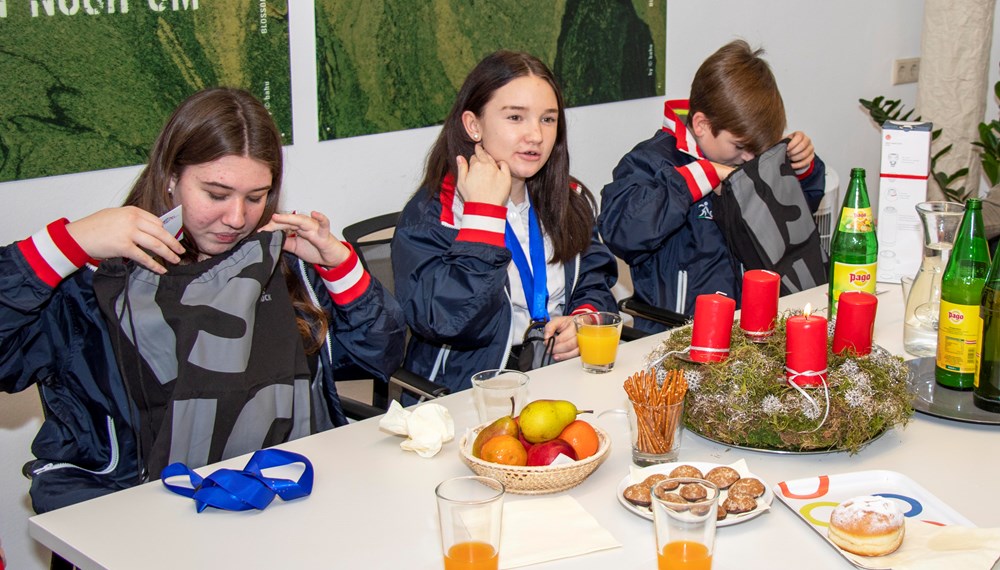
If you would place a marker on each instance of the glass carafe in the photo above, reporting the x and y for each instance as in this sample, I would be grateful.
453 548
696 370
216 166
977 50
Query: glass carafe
940 222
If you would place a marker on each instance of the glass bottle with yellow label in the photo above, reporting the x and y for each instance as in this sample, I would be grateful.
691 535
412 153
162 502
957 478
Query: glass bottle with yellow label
959 324
854 248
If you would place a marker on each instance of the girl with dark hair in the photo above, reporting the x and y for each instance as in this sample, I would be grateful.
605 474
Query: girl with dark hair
497 185
187 350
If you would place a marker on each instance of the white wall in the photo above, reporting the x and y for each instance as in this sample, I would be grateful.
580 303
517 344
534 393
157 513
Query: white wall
826 56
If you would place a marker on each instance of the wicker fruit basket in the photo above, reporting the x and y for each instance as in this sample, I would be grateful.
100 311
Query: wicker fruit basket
536 480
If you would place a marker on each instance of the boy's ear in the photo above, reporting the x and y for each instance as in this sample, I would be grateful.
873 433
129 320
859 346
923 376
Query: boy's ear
471 124
700 125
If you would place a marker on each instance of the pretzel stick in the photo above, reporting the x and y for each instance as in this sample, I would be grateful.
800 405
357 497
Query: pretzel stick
655 407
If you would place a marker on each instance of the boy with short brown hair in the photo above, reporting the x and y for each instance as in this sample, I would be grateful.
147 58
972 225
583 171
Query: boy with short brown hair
657 212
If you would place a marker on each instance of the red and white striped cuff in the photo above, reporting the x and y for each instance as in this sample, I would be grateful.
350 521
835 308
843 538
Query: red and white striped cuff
802 174
583 309
700 177
483 223
347 281
52 253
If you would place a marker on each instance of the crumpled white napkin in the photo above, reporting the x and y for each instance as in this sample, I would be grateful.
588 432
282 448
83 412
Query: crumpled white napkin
427 427
539 530
928 547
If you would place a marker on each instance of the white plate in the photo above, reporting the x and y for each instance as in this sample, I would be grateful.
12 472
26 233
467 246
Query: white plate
814 498
763 501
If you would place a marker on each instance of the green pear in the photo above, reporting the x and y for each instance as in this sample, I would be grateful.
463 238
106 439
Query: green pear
501 426
543 420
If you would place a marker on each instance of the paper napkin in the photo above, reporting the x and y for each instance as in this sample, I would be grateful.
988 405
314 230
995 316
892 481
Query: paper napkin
931 547
539 530
427 427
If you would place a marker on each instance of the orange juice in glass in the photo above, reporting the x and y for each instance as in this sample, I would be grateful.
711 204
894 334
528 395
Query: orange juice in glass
597 335
685 532
470 509
684 555
472 556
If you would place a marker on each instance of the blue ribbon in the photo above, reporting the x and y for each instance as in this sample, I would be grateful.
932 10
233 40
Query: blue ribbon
233 490
535 286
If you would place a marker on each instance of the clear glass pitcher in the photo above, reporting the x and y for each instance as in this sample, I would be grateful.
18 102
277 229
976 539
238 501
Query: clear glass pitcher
940 221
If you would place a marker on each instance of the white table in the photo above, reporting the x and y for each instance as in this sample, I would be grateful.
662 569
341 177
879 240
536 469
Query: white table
373 504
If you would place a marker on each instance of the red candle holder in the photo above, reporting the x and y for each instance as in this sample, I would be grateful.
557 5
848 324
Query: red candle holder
759 304
713 327
855 323
805 349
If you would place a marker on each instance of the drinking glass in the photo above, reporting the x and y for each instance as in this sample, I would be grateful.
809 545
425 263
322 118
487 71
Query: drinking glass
685 530
470 510
598 335
655 431
498 393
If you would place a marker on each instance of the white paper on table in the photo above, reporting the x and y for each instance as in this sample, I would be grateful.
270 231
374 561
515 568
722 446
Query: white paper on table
539 530
931 547
427 427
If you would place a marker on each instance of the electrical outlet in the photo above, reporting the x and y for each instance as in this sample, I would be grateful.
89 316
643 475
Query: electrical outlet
905 70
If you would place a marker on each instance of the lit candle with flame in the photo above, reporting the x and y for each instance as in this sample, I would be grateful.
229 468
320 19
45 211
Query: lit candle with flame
805 349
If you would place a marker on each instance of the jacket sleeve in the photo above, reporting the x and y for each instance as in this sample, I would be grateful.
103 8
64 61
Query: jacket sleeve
451 282
30 271
368 330
598 272
649 198
813 181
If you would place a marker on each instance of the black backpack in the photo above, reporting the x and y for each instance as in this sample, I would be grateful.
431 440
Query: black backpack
764 216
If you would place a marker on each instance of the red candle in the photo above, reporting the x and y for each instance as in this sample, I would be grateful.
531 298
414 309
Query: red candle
713 325
759 303
855 323
805 349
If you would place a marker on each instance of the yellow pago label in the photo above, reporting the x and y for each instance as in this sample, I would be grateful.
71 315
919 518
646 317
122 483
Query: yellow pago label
958 337
856 220
853 277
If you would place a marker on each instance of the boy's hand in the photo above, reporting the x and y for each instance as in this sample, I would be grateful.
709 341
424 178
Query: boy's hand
722 171
800 150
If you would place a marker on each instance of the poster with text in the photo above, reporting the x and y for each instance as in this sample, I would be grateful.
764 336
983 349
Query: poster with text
397 64
88 84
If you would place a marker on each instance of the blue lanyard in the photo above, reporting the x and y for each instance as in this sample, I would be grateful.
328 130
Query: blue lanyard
536 290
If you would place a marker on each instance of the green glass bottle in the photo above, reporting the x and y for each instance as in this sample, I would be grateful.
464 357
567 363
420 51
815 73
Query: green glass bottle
854 247
961 293
986 385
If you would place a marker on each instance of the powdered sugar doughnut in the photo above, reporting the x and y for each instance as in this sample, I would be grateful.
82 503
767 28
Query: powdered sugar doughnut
869 526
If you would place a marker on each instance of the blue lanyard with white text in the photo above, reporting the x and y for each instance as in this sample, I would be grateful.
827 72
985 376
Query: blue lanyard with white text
536 291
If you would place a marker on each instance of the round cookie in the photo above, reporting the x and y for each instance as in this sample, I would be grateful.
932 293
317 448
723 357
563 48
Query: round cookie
722 476
693 492
638 495
687 471
721 513
737 504
655 478
747 486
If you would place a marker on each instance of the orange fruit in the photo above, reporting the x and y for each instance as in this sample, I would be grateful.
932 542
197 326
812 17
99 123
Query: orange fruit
504 449
582 437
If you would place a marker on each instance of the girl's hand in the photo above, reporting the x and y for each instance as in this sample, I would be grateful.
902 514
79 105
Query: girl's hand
800 150
128 232
309 238
482 179
565 332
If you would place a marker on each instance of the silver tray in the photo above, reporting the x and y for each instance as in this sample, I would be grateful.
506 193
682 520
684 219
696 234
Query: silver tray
934 400
782 451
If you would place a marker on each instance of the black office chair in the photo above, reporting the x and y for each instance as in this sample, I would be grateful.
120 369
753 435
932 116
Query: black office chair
636 308
372 239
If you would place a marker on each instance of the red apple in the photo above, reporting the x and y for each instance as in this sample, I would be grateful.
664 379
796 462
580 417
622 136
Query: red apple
545 453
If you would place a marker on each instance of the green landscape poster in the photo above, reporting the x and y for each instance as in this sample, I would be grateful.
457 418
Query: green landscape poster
88 84
397 64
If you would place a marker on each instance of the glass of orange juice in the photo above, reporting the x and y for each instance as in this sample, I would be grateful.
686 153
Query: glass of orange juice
598 334
470 510
685 529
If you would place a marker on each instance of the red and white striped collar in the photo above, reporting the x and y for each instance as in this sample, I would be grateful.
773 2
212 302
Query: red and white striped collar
674 113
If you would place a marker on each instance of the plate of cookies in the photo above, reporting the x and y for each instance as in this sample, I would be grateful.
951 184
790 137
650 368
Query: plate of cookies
743 495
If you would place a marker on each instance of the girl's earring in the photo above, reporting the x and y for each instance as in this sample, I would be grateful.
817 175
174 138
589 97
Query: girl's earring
475 136
170 190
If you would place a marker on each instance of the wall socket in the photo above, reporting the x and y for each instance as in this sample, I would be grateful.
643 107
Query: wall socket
905 70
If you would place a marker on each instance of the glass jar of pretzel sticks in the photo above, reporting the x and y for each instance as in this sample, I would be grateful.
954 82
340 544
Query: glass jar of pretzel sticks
655 416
